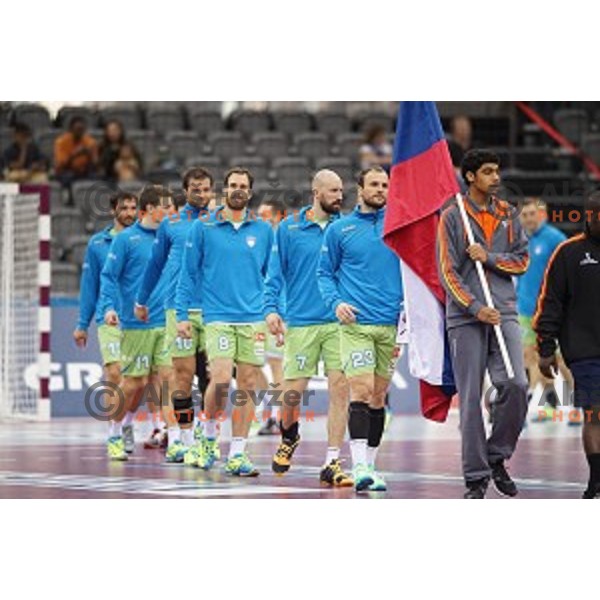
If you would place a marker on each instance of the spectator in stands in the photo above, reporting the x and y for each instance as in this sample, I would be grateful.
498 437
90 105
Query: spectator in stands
127 167
75 154
110 147
23 160
376 150
460 139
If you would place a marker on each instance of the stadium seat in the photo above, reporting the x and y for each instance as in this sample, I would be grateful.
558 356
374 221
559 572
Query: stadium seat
91 199
212 163
34 115
350 198
147 144
292 171
256 164
312 145
57 198
340 164
536 183
45 140
292 123
205 122
65 279
227 144
591 146
248 122
132 187
572 123
67 222
348 145
270 145
368 120
164 118
74 249
6 134
183 144
128 115
332 124
66 113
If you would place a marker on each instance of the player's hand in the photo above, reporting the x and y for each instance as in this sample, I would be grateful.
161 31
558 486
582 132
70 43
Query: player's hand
477 252
275 324
111 318
489 315
80 336
184 330
548 366
346 313
141 313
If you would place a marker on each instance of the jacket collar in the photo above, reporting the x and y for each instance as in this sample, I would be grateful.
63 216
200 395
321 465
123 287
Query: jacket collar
307 220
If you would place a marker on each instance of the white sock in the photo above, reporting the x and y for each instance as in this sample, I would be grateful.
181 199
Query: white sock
332 454
210 429
174 435
187 437
115 428
371 455
128 420
358 450
238 445
199 424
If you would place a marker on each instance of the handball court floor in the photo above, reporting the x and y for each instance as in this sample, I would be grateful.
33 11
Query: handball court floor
65 458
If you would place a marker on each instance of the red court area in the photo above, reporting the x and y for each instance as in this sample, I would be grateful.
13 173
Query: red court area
65 458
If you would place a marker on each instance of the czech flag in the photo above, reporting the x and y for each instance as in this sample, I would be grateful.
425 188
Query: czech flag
422 180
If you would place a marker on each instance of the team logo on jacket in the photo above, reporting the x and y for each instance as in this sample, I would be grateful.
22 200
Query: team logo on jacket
251 241
588 260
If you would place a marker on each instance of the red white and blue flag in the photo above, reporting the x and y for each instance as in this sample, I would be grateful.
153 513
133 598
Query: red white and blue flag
422 180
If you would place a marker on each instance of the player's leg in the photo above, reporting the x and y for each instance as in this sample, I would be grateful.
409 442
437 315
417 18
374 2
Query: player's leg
109 340
249 358
358 361
337 414
275 361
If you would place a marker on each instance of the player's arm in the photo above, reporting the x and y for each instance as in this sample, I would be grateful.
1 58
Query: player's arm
549 313
449 258
154 269
516 260
89 289
274 284
189 277
109 280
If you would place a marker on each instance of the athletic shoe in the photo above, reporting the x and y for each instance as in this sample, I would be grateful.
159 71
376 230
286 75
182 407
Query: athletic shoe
476 489
176 452
546 415
379 484
240 466
198 433
128 438
362 477
332 474
592 492
207 454
115 448
502 482
269 428
192 455
154 440
283 457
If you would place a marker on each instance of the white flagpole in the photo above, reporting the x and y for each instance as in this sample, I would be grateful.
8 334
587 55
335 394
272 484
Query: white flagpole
486 288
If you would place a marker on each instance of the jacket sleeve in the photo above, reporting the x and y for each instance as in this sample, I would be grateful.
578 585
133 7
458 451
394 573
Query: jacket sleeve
89 288
516 260
329 262
111 275
550 306
156 264
448 260
275 280
190 272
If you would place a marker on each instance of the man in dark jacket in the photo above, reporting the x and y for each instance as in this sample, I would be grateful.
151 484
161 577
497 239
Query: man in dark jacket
568 311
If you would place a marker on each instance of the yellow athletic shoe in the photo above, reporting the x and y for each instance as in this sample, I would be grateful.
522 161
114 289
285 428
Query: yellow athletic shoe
332 474
282 460
115 448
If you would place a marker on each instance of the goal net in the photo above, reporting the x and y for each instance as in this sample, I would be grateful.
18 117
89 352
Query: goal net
23 365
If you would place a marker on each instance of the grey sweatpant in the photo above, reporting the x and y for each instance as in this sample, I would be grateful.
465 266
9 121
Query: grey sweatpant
474 348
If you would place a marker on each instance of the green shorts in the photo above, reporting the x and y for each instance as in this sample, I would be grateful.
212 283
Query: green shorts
273 350
243 343
143 351
369 349
527 332
305 346
109 339
179 347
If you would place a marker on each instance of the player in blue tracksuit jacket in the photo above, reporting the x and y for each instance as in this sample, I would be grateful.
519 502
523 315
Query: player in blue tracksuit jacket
313 332
124 209
359 278
543 241
228 257
188 355
142 343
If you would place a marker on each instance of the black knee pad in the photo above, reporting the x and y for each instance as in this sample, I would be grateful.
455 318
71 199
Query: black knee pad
184 410
202 372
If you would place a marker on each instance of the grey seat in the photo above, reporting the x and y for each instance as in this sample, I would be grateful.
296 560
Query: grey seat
348 145
249 122
129 116
75 249
212 163
34 115
45 140
92 199
205 122
368 120
591 146
132 187
572 123
256 165
270 145
332 124
340 164
183 144
147 144
292 171
292 122
227 144
66 113
65 279
312 145
164 118
66 222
